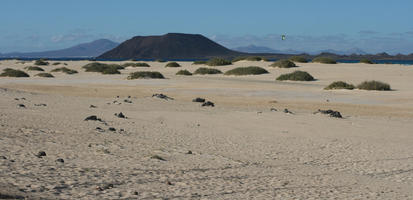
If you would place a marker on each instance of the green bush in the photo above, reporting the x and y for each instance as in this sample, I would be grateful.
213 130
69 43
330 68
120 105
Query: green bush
184 72
339 85
204 70
56 63
64 70
296 76
248 58
283 63
366 61
218 62
324 60
41 62
103 68
172 64
374 85
160 60
136 65
13 73
45 75
199 62
145 75
299 59
31 68
251 70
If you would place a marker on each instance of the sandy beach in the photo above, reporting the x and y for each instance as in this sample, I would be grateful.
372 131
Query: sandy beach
245 147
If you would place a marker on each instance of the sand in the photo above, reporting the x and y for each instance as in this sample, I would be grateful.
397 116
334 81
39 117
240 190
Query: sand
239 149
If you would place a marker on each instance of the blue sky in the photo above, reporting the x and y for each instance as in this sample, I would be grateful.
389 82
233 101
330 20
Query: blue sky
310 25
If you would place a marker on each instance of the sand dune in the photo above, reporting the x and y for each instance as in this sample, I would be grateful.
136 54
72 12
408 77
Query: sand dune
239 149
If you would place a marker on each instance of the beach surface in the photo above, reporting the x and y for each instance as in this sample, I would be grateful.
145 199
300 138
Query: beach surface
245 147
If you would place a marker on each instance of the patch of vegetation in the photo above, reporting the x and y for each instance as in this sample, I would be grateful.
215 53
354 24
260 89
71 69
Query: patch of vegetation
218 62
103 68
296 76
204 70
374 85
145 75
248 58
56 63
41 62
251 70
366 61
283 63
45 75
200 62
160 60
13 73
324 60
140 64
339 85
299 59
64 70
184 72
172 64
34 68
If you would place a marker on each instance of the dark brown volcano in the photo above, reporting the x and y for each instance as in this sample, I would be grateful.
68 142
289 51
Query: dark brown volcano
169 46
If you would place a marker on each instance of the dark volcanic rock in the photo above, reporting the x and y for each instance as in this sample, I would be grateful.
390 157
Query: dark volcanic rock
287 111
332 113
200 100
112 129
168 46
60 160
208 103
162 96
41 154
40 104
93 118
21 106
120 115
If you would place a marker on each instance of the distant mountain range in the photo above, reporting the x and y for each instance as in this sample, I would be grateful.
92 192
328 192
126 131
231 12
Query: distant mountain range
169 46
91 49
261 49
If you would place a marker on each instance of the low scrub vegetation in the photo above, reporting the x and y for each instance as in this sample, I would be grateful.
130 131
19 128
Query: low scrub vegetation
249 58
41 62
339 85
145 75
218 62
374 85
45 75
299 59
184 72
296 76
172 64
251 70
200 62
366 61
160 60
56 63
34 68
13 73
103 68
64 70
204 70
324 60
283 63
140 64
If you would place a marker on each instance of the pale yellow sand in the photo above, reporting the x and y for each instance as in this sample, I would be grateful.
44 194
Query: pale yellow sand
241 149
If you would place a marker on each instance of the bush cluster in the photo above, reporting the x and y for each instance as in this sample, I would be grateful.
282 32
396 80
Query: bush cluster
173 64
145 75
299 59
103 68
13 73
136 65
184 72
296 76
251 70
64 70
204 70
324 60
218 62
283 63
339 85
